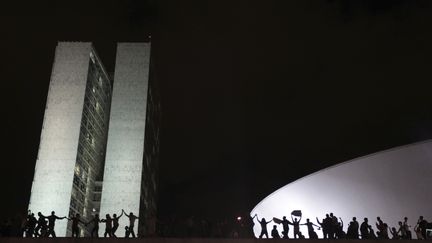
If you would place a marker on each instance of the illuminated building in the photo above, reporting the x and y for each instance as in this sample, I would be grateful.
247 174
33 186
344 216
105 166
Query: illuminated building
83 114
129 177
390 184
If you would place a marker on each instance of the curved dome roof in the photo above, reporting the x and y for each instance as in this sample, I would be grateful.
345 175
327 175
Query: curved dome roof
391 184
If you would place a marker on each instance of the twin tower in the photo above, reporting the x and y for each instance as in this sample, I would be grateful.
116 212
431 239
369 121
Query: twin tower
99 144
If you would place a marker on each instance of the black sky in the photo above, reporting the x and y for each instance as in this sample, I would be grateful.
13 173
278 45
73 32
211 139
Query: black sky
255 94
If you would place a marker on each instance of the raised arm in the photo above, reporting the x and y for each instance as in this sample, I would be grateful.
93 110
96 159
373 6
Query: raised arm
121 214
269 221
342 224
318 221
125 213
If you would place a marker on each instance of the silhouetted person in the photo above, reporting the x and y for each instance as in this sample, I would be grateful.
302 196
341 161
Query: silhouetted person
41 228
132 219
407 229
402 231
333 226
108 225
75 221
311 230
285 226
263 224
249 224
364 229
127 232
325 226
372 235
394 233
115 221
95 229
31 225
418 232
340 233
380 226
422 225
275 233
51 223
296 226
353 229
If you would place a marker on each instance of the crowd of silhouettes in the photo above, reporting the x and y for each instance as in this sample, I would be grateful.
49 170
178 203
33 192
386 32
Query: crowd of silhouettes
331 226
44 226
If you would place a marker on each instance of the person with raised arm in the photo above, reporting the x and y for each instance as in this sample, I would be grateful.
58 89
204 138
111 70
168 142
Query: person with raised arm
311 230
263 224
340 233
132 219
325 226
51 223
115 221
296 224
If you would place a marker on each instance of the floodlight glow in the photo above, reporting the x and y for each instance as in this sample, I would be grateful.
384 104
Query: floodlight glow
391 184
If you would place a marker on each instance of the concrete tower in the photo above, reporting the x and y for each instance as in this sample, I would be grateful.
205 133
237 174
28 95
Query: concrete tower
96 155
127 164
74 133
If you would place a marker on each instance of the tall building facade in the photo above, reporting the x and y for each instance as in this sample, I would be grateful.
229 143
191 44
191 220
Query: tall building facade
130 176
93 143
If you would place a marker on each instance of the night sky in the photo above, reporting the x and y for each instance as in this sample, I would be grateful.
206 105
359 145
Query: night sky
255 94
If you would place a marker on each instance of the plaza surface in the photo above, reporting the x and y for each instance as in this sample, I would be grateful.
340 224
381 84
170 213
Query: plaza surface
184 240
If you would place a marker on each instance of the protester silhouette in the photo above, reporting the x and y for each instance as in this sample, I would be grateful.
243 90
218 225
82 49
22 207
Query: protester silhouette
311 230
422 226
402 231
127 232
394 233
95 229
51 223
108 225
364 229
418 232
340 233
115 221
132 219
75 221
353 228
285 227
263 224
41 228
275 233
296 226
31 225
407 229
325 226
333 224
249 224
372 235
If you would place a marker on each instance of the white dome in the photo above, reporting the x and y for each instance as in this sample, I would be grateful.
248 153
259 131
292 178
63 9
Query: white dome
391 184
